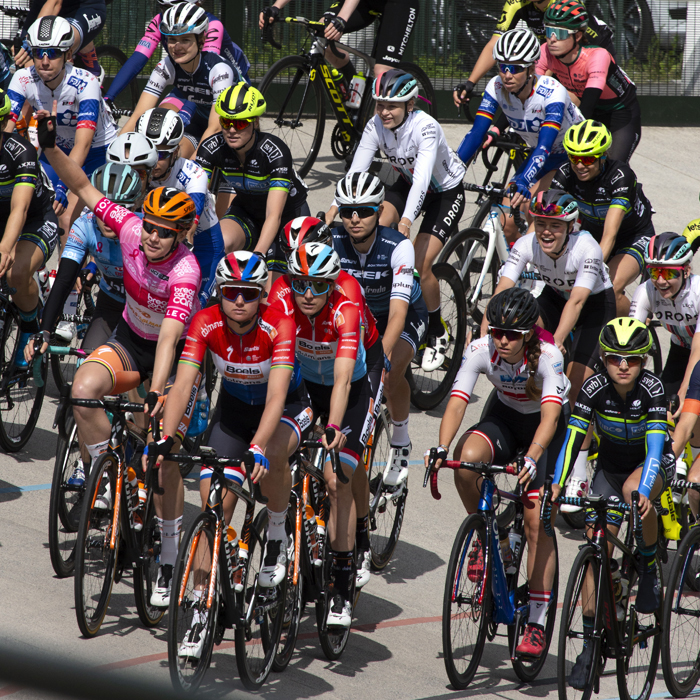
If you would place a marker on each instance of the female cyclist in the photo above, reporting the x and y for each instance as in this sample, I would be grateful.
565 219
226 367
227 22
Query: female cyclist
430 182
602 88
611 202
527 415
259 191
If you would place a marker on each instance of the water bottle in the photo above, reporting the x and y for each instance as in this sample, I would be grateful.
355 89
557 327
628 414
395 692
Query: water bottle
311 538
71 305
341 85
52 279
200 415
33 133
132 491
42 279
242 558
515 541
231 542
357 88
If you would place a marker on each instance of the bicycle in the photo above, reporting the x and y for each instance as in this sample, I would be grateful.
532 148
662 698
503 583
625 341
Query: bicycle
618 630
294 90
228 595
474 604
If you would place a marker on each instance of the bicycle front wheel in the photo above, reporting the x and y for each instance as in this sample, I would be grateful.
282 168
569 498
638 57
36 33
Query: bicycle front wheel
466 603
296 111
428 389
95 557
146 572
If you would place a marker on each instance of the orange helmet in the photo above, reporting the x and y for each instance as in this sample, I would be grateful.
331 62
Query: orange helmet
170 204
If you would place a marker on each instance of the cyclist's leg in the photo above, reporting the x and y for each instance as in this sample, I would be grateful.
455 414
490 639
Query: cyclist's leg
239 230
87 22
108 311
626 263
395 27
626 128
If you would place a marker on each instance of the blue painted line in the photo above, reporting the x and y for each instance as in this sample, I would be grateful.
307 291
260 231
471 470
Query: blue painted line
19 489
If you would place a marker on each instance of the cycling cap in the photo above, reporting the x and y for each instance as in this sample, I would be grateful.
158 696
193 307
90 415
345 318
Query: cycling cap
51 32
359 189
517 46
242 266
302 230
587 138
395 86
514 309
163 127
627 335
668 248
6 106
554 204
132 149
570 14
240 101
121 184
170 204
183 18
314 260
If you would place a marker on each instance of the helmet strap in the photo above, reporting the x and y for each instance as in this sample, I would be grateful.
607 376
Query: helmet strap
525 84
565 243
680 289
405 117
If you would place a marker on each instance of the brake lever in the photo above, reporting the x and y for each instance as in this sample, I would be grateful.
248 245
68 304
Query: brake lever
337 470
249 462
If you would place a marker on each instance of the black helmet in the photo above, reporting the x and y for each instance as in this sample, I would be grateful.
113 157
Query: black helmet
513 309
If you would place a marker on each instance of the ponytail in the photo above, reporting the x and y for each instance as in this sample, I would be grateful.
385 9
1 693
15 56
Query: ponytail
533 350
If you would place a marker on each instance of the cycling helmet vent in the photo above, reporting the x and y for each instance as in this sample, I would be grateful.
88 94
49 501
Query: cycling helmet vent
513 309
517 46
302 230
51 32
120 184
668 249
395 85
361 189
163 127
625 335
5 103
240 101
569 14
132 149
242 266
587 138
315 260
183 18
554 204
171 204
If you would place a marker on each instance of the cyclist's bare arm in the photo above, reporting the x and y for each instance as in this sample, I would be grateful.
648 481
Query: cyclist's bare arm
343 368
683 431
692 361
178 397
483 65
19 206
277 388
398 308
51 7
168 338
613 221
570 314
223 202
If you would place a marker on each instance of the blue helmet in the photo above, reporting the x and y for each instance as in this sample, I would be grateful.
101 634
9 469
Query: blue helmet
395 86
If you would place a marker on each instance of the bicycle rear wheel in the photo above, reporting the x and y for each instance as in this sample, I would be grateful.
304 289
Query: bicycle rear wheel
466 604
66 502
296 111
146 571
95 559
428 389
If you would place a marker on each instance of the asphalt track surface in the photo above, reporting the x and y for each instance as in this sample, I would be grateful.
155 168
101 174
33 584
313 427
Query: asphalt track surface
395 650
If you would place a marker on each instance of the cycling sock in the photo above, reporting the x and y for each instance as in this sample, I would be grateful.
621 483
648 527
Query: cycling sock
28 320
348 72
695 452
588 623
648 555
275 525
362 533
90 61
99 448
539 602
399 435
343 570
170 540
434 323
579 470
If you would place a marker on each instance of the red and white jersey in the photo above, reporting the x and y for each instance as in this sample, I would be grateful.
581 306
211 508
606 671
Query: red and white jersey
481 357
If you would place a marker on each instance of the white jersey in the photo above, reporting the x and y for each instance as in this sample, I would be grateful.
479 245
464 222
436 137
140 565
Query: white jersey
580 265
679 316
418 151
481 357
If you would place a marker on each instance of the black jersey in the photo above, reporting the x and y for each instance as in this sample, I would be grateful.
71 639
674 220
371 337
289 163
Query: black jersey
268 167
615 186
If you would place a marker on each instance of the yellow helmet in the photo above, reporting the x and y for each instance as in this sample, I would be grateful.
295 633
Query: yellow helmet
5 104
240 101
588 138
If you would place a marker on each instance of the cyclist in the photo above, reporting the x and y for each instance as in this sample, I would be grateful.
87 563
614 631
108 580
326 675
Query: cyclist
431 182
84 129
161 279
197 77
166 129
628 404
217 41
259 191
30 228
611 202
538 109
333 365
526 415
602 88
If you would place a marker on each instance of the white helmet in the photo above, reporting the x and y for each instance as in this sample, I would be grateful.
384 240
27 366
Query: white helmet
242 266
184 18
517 46
51 32
132 149
314 260
163 127
362 189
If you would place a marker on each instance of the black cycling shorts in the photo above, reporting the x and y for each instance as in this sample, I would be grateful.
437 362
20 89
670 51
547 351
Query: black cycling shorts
508 431
634 244
625 125
108 312
393 34
441 210
43 233
88 19
674 369
597 311
235 423
375 373
416 324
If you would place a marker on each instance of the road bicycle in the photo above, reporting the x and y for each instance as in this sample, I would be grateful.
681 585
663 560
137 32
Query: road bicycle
613 627
476 602
294 90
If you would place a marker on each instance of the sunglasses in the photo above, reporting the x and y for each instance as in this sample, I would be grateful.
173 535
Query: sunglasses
512 68
317 287
500 333
231 293
584 160
631 360
558 33
362 212
163 232
549 210
49 53
237 124
668 273
164 155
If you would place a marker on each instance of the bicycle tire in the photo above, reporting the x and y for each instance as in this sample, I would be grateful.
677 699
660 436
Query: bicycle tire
112 59
386 517
20 398
526 670
304 144
577 520
466 253
93 553
186 674
65 504
146 571
655 351
428 389
475 608
261 630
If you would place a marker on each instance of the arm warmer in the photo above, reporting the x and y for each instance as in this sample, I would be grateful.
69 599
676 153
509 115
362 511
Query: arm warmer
126 74
473 140
67 274
533 168
589 100
655 440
